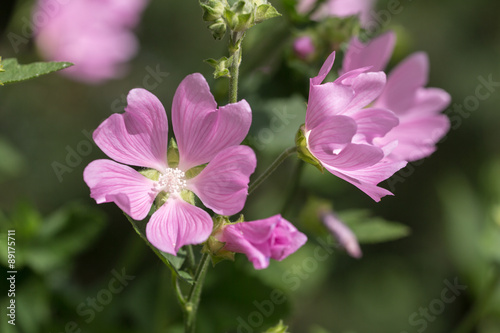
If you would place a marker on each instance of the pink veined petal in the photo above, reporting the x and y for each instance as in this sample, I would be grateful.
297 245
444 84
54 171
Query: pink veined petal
140 135
200 128
334 132
128 189
178 223
240 244
326 100
375 53
374 123
325 69
367 87
367 179
403 82
223 185
343 8
428 101
352 157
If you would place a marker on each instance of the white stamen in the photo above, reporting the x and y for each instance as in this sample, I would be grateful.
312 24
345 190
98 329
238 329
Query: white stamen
171 181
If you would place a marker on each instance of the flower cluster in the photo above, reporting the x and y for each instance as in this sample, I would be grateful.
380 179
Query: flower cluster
95 35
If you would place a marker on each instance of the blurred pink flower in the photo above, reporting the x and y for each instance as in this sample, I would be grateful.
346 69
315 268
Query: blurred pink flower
204 134
262 240
421 123
96 35
346 238
303 47
340 129
339 8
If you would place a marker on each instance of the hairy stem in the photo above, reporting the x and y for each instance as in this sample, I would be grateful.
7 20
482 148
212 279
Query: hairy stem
193 300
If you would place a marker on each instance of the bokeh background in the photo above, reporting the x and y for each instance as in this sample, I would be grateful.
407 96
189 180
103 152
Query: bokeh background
69 249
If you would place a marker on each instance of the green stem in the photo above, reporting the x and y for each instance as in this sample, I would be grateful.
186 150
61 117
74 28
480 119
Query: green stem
472 318
284 155
234 69
193 300
294 187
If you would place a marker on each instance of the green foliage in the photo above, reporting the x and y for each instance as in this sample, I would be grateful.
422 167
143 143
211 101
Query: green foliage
221 66
14 72
12 162
280 328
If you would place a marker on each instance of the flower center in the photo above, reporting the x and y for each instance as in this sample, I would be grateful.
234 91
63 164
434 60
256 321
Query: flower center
171 181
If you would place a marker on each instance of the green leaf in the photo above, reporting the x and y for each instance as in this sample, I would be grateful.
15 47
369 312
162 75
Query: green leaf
265 12
280 328
372 229
12 162
14 72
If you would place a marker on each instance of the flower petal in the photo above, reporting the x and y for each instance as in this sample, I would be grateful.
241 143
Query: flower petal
127 188
352 157
177 223
367 87
334 132
374 123
403 83
140 135
200 128
223 185
376 53
325 69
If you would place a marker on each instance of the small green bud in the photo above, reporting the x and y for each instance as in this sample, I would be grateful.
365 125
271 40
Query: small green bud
218 28
303 152
213 9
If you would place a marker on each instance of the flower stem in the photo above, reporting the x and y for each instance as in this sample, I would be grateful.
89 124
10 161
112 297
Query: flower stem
472 318
284 155
234 69
193 300
297 172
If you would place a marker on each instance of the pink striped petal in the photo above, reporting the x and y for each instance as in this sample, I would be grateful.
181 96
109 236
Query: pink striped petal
367 87
403 82
334 132
376 53
223 185
178 223
325 69
374 123
352 157
140 135
202 130
128 189
429 101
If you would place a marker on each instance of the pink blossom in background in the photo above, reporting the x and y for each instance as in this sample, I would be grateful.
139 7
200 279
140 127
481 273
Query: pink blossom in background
204 134
303 47
339 8
421 123
340 129
95 35
262 240
344 236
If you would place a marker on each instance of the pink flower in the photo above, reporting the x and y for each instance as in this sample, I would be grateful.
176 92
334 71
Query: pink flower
303 47
339 8
340 131
346 238
261 240
204 133
421 124
93 34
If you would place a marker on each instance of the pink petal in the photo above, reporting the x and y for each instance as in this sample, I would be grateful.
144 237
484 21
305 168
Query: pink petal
376 53
140 135
200 128
223 185
403 82
374 123
367 179
352 157
178 223
334 132
127 188
325 69
326 100
429 100
367 87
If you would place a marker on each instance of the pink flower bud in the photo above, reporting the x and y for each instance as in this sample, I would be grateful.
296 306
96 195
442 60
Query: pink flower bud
303 47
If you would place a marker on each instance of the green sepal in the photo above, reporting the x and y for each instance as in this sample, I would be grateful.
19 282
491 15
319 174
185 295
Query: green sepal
150 174
195 171
173 154
221 66
218 29
280 328
303 153
213 246
188 196
213 9
265 12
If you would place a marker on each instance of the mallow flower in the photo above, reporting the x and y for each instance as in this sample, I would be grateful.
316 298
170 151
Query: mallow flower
208 139
340 129
421 123
96 35
339 8
262 240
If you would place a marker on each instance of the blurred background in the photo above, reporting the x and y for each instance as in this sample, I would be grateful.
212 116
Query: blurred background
71 252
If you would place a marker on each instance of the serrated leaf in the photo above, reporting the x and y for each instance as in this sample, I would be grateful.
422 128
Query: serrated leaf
14 72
